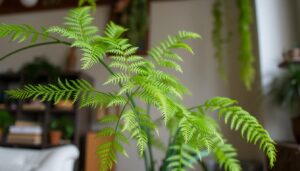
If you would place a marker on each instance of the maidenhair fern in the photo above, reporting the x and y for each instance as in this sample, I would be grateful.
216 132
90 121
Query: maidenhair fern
194 134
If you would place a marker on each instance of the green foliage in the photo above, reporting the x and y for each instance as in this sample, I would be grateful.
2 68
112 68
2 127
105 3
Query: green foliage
65 125
163 54
241 120
217 36
246 51
22 32
138 21
193 133
284 89
78 27
137 122
90 2
114 143
226 156
67 90
184 157
38 67
246 56
5 119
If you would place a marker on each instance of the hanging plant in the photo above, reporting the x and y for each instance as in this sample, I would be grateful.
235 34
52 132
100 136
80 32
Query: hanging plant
246 56
247 71
217 36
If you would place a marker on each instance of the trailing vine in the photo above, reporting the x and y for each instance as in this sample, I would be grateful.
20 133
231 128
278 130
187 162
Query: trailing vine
246 56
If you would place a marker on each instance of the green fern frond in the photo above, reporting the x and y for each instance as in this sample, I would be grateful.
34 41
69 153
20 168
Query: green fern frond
226 156
109 119
90 2
118 78
78 26
21 32
217 36
184 157
195 126
68 90
113 144
136 124
248 125
159 53
114 31
107 155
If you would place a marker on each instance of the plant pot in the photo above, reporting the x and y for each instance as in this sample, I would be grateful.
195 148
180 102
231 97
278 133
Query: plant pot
55 137
1 134
296 128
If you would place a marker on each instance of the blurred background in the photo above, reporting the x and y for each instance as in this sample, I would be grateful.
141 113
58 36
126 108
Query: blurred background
273 98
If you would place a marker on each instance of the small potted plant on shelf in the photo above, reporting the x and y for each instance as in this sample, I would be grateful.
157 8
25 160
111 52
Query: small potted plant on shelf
285 91
5 121
61 128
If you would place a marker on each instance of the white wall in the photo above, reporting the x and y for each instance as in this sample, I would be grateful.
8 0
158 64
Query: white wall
276 24
200 74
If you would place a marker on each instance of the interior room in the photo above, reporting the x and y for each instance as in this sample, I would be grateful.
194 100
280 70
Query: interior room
149 85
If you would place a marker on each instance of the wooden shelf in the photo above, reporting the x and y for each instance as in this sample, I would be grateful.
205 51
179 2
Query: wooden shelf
21 145
63 111
14 6
285 64
80 118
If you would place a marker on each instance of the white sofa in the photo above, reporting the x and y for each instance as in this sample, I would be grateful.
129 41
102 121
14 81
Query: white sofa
54 159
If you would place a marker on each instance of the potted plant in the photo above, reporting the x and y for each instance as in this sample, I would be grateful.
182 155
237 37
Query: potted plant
5 121
61 128
193 132
285 91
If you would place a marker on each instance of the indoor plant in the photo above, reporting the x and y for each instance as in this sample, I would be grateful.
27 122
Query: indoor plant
61 128
285 91
5 121
193 133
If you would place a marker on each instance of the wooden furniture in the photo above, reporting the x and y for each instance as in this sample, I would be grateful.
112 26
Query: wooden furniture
80 117
14 6
288 158
92 143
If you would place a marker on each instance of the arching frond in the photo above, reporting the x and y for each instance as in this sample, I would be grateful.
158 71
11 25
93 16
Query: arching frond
68 90
21 32
163 54
226 156
114 31
241 120
78 26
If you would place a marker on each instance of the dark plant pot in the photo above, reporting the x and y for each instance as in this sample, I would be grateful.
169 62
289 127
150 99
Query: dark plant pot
55 137
296 128
1 134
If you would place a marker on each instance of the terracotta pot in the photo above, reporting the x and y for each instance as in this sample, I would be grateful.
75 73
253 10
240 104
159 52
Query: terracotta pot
296 128
55 137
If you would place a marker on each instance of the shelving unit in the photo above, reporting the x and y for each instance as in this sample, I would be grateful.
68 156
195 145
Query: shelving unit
80 117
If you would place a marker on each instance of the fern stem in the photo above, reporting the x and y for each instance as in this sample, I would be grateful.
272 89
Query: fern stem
149 142
32 46
118 122
194 107
133 106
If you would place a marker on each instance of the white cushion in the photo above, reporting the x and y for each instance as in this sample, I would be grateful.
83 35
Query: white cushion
55 159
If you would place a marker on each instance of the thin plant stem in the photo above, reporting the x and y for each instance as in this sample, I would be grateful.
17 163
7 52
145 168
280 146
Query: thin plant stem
32 46
150 143
133 106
